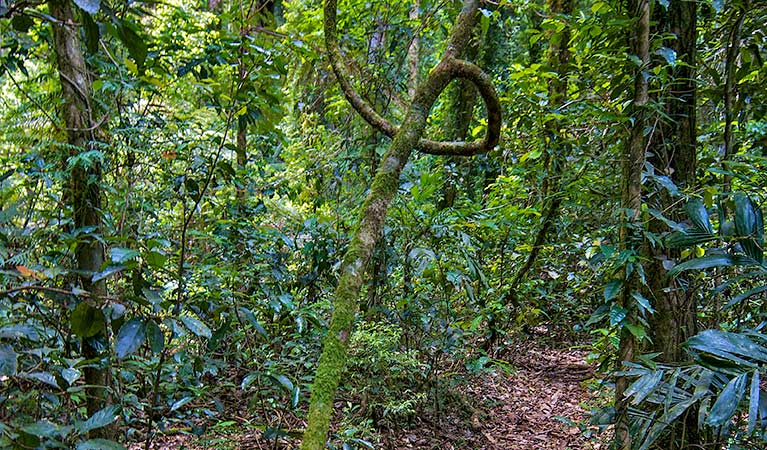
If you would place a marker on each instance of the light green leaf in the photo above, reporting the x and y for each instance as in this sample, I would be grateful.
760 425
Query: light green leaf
197 327
121 255
100 419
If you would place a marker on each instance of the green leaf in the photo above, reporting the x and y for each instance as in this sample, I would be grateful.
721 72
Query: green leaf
133 42
727 402
706 262
42 428
249 379
8 361
89 6
617 314
644 386
155 259
92 33
688 238
86 320
644 304
284 381
121 255
698 215
251 318
749 227
155 337
295 397
70 375
612 288
43 377
100 444
110 270
100 419
745 295
753 405
130 337
197 327
732 347
179 403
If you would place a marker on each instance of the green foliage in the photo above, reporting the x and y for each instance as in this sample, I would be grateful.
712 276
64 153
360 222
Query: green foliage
387 380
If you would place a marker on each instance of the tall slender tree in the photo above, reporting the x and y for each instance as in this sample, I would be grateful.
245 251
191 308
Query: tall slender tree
631 203
83 191
385 184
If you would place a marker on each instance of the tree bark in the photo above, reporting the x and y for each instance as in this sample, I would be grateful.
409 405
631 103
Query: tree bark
631 204
383 189
673 151
83 191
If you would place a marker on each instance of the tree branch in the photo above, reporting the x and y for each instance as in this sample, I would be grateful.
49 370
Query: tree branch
453 66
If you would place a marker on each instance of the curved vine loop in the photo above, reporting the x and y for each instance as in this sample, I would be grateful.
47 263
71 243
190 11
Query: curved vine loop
451 67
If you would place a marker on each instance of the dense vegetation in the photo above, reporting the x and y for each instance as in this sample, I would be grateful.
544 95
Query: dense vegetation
199 199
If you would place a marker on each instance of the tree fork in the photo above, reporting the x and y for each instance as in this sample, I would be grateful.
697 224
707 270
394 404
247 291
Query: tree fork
383 189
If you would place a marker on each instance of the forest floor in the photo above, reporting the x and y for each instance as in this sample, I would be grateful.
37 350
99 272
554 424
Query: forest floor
537 399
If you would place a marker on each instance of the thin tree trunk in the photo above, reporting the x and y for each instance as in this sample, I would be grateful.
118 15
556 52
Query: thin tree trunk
83 192
383 189
631 203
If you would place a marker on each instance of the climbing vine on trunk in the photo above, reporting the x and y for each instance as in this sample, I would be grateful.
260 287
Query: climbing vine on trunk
406 137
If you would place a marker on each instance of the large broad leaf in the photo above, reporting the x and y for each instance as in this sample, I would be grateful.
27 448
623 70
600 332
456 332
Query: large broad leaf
92 33
706 262
8 361
745 295
749 227
727 402
86 320
155 337
133 42
43 429
100 419
644 386
122 255
735 347
688 238
197 327
698 215
130 337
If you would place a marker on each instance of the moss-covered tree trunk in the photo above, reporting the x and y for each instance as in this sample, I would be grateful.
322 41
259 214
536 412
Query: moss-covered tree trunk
631 204
383 189
83 191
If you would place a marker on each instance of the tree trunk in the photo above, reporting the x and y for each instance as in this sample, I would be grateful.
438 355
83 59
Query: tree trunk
673 153
83 191
631 204
383 189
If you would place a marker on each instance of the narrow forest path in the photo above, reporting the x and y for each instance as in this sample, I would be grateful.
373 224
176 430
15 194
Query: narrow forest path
540 403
